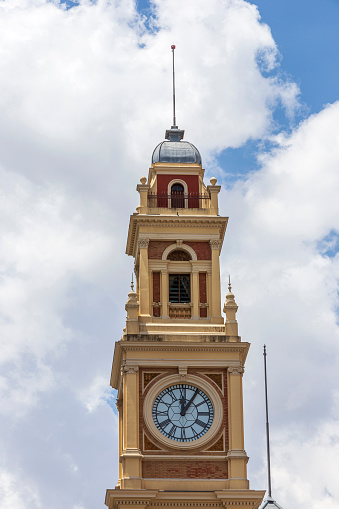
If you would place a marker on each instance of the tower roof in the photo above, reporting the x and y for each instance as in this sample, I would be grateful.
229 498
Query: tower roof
175 150
270 504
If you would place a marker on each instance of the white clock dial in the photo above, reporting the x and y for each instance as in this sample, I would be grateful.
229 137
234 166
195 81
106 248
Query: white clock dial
182 412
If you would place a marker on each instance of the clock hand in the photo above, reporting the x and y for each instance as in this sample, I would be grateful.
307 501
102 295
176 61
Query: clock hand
184 410
182 403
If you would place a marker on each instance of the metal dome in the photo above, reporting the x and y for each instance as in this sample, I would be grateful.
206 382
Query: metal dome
174 150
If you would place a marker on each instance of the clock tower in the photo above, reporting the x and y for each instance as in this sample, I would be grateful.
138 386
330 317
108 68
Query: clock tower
178 367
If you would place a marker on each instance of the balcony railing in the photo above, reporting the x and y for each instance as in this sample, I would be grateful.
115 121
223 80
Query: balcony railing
179 310
179 201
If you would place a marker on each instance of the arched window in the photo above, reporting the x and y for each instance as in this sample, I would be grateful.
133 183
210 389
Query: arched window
177 196
179 255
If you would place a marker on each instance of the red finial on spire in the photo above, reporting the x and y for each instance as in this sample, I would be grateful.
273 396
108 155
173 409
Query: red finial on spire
173 46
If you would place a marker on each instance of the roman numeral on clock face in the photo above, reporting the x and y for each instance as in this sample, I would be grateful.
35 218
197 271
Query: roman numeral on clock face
172 431
165 423
200 423
183 412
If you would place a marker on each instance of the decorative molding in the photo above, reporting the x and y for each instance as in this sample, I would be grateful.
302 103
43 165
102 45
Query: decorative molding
129 369
175 458
182 348
175 246
169 191
182 371
149 445
143 243
216 378
215 244
148 377
195 381
236 371
202 364
218 446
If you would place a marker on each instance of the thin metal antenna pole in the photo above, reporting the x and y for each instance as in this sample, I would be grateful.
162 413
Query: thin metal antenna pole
267 431
174 118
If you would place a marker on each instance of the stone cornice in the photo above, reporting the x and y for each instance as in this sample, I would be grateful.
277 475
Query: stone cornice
183 221
176 346
153 498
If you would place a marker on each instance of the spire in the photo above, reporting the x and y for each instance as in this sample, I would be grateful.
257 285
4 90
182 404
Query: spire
174 126
230 309
174 134
269 502
132 307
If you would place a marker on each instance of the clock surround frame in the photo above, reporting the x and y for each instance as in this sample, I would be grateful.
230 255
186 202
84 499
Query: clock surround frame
198 382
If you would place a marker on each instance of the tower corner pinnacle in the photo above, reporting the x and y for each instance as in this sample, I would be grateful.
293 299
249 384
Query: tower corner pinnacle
230 309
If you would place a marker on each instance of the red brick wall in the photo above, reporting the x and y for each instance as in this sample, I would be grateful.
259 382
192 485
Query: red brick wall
186 469
156 286
175 452
202 288
156 292
192 182
203 249
202 294
157 247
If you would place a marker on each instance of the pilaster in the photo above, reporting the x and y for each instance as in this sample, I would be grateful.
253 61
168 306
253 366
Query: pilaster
164 294
144 294
131 455
237 457
216 298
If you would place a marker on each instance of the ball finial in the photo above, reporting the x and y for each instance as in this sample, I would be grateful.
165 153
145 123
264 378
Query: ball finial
213 181
143 180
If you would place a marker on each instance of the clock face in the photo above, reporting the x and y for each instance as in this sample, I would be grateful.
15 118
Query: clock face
183 412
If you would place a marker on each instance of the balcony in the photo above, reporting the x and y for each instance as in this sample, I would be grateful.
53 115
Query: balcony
179 311
179 201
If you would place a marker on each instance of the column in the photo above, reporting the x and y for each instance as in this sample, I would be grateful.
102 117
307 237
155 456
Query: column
143 189
164 294
215 281
213 191
120 411
237 457
144 296
131 455
209 293
195 294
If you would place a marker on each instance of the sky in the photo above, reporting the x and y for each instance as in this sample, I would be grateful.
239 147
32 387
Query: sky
85 97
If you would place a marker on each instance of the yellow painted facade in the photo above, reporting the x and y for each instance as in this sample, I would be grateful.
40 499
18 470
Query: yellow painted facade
176 338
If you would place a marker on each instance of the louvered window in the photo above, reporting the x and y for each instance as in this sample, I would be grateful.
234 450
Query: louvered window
180 288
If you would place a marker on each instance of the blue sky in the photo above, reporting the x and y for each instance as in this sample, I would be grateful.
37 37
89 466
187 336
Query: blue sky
307 37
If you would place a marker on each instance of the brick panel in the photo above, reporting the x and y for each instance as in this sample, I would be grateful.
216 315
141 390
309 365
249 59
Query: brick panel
202 288
184 469
156 286
157 247
194 371
203 249
192 182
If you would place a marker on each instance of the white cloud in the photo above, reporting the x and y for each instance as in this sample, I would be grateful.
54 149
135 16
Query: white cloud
287 288
96 394
16 495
